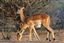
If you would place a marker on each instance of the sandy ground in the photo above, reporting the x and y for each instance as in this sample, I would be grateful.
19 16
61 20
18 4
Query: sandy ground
59 34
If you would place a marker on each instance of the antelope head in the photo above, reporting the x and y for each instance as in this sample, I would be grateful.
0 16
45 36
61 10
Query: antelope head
20 10
21 31
21 14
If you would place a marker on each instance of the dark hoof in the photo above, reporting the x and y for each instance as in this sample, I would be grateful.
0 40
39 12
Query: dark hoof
49 40
46 38
53 38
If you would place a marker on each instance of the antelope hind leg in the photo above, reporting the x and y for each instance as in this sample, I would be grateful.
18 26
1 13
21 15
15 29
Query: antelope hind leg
52 32
48 36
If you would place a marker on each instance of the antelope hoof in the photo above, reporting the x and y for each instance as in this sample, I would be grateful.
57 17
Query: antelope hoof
53 38
49 40
46 38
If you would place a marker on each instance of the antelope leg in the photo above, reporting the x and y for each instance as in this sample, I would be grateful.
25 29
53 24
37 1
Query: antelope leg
36 33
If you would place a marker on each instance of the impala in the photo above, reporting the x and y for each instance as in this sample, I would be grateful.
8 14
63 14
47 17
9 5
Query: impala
36 20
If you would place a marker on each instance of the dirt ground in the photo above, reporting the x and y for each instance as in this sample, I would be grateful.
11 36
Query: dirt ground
59 34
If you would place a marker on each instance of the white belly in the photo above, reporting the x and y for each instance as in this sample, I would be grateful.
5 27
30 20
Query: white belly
38 24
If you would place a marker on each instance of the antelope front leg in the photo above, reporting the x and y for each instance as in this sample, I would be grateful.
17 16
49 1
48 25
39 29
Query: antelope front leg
30 34
35 36
36 33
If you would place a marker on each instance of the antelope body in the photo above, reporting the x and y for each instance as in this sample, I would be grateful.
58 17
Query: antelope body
36 20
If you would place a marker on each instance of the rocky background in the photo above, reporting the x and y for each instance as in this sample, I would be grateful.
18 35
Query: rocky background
8 9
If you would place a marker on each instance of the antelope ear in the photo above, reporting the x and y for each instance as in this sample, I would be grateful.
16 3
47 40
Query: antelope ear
17 31
22 8
17 12
21 24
